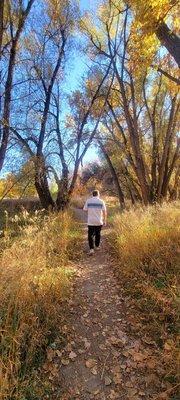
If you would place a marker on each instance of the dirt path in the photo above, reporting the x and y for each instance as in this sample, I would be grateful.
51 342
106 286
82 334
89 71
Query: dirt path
104 359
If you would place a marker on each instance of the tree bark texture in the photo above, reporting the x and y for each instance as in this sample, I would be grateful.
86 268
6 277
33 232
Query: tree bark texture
41 184
114 176
170 40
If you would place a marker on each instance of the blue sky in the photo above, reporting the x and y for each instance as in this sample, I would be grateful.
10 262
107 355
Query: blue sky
74 76
77 70
78 67
89 5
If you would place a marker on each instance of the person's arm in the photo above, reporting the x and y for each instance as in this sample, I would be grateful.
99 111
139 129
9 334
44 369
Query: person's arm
104 210
85 208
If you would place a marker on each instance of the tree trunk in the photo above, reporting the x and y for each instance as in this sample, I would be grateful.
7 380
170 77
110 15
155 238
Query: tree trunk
140 167
134 192
63 196
134 140
114 176
166 150
41 184
7 102
174 195
133 200
170 40
153 190
168 175
41 181
1 23
8 85
44 193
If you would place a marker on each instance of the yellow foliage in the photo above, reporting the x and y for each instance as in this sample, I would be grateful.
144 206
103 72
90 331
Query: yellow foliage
147 16
62 13
149 13
141 49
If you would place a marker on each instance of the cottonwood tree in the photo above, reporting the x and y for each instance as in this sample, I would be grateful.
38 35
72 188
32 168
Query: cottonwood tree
13 18
1 23
83 127
45 51
113 151
55 144
149 142
150 18
149 28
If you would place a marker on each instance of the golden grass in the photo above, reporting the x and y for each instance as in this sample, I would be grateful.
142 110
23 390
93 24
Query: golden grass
78 201
34 282
146 246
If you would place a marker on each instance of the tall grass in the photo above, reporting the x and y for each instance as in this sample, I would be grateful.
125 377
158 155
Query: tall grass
146 246
34 282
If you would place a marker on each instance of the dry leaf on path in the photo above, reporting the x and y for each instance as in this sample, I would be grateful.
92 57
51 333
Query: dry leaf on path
131 393
58 353
90 363
72 355
117 379
87 344
107 380
94 371
113 395
50 354
64 361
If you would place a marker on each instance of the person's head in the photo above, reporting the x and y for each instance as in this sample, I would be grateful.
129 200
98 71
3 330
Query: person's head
95 193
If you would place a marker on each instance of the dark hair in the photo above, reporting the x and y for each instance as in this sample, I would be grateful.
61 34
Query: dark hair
95 193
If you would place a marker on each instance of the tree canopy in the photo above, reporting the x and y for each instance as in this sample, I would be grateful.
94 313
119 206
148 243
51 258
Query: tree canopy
127 102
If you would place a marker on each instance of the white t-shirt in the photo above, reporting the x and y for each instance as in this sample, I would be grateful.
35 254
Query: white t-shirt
95 207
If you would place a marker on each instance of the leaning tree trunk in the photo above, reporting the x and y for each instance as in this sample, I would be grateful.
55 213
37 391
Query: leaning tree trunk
7 105
44 194
42 187
170 40
133 200
9 81
63 196
174 195
168 175
167 143
114 176
135 143
1 23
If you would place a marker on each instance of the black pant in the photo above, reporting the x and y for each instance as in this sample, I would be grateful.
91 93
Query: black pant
94 231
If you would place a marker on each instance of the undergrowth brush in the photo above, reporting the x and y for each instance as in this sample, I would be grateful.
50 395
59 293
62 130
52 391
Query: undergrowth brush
112 203
78 201
146 245
35 278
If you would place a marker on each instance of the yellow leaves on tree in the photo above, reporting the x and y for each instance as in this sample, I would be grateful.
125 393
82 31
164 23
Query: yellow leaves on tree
148 16
141 50
20 184
62 13
96 27
91 30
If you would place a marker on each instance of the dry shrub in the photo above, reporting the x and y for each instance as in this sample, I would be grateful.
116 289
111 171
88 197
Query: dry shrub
14 205
78 201
35 277
111 201
145 241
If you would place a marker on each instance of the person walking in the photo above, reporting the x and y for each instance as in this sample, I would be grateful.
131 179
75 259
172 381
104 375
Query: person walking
97 217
